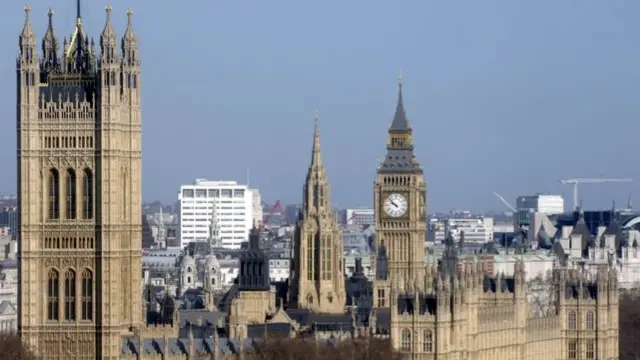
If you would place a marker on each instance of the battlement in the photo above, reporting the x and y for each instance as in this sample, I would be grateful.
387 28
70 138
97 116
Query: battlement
490 316
160 330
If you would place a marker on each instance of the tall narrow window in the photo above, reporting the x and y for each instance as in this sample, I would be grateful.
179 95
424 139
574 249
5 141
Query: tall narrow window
591 350
427 341
310 257
405 341
125 195
572 320
70 199
52 294
54 194
70 295
87 194
590 320
326 258
573 349
87 295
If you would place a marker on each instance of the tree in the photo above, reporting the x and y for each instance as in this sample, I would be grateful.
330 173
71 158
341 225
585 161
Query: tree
12 347
629 322
309 349
542 296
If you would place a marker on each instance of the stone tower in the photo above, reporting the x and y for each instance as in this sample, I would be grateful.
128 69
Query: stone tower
400 205
79 163
317 281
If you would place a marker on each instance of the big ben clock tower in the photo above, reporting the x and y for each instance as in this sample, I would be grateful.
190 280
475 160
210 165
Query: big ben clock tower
400 207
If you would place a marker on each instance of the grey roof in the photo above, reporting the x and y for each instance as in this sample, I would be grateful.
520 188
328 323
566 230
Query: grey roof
181 346
581 230
400 160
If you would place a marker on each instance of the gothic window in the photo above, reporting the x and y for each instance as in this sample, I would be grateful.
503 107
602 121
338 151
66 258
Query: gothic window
87 295
309 299
590 320
87 194
591 350
405 341
310 257
70 198
188 269
326 258
427 341
381 299
573 349
70 295
54 194
52 294
572 320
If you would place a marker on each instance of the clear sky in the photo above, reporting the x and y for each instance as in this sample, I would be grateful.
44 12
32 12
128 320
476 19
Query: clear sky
508 96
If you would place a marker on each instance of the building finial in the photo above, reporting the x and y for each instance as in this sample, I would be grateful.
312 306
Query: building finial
400 78
315 158
27 14
79 14
129 17
50 14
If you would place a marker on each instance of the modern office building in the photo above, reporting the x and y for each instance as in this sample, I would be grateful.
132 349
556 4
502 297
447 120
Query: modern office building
477 230
537 203
359 217
234 210
9 219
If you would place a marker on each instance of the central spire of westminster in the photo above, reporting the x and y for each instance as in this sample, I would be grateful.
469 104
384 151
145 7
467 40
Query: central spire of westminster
317 280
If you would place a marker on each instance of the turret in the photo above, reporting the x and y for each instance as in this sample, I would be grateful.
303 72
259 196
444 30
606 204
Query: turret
130 62
50 47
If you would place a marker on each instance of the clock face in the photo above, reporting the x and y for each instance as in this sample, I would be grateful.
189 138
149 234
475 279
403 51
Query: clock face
395 205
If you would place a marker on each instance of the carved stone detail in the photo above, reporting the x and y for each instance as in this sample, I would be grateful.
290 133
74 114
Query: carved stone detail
67 262
85 262
50 261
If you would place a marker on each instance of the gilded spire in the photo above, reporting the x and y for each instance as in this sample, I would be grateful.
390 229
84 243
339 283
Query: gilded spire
400 122
316 158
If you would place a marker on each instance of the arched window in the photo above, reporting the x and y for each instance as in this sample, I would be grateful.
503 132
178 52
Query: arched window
52 294
572 320
590 320
54 194
427 341
405 341
87 194
87 295
70 199
70 295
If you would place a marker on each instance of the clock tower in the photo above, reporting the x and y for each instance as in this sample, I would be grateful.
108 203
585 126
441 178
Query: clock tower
400 206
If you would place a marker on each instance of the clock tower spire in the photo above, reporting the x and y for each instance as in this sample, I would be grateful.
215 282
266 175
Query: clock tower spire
400 194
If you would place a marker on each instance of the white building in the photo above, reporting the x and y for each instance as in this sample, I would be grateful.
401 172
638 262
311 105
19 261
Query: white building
477 230
359 217
256 206
234 209
538 203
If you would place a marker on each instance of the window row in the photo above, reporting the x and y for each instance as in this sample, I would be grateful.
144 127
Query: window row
68 142
68 243
112 78
66 194
572 320
589 351
427 341
65 295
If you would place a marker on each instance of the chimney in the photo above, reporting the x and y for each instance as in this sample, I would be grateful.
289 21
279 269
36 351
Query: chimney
358 266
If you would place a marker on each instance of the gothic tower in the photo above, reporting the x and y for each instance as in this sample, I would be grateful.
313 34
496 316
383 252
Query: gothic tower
317 281
79 164
400 204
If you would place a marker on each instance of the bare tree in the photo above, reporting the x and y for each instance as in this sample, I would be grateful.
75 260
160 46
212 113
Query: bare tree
542 296
309 349
12 347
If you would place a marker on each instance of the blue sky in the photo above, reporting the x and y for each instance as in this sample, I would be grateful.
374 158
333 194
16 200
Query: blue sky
510 96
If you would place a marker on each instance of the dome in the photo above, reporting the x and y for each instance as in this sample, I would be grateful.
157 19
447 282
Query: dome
187 260
211 261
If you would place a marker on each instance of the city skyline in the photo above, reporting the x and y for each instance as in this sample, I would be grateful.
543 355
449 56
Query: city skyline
536 97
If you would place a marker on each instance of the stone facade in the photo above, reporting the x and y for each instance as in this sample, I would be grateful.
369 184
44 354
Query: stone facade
317 276
79 168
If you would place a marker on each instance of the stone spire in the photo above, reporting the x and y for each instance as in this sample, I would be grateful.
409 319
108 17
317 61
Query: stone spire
214 227
316 187
50 46
27 36
316 155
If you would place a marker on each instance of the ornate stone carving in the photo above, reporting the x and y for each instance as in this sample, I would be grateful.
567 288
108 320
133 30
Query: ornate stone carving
67 262
85 262
52 162
50 261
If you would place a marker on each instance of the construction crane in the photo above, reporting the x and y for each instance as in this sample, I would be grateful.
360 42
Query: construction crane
504 201
270 214
575 183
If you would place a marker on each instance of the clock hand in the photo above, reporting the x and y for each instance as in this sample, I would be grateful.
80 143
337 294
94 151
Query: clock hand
393 203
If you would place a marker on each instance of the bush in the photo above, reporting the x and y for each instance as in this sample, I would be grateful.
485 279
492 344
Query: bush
11 347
